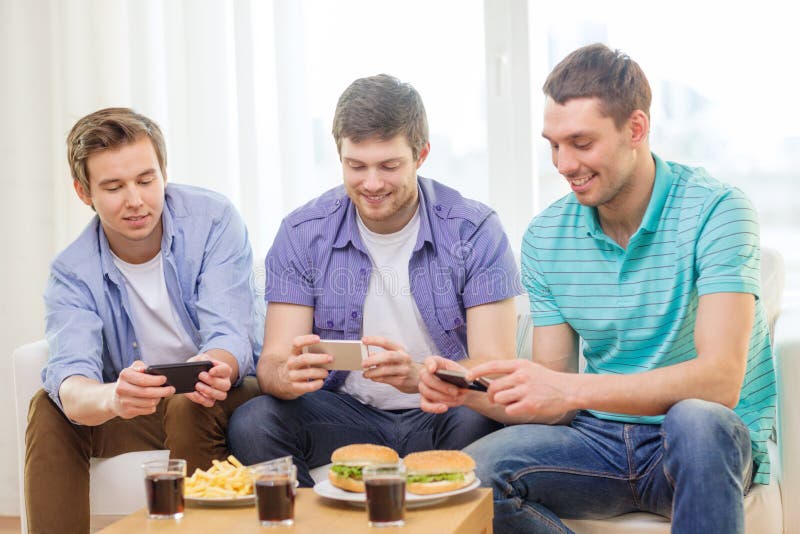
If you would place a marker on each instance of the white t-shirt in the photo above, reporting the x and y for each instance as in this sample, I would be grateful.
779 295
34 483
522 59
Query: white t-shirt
159 332
390 311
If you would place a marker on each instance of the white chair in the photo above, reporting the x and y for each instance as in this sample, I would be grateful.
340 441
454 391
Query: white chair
768 508
116 485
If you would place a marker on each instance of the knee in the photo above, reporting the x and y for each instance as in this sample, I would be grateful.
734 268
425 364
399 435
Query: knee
491 454
45 416
702 425
247 419
178 409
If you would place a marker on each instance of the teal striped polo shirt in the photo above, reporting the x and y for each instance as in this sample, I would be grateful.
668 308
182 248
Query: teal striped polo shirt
635 308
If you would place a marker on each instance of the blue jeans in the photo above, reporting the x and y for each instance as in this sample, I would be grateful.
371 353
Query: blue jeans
694 468
311 427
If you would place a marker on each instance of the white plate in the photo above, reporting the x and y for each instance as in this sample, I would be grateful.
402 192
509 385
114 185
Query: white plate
244 500
324 488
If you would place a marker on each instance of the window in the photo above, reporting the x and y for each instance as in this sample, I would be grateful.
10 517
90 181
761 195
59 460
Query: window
436 46
723 95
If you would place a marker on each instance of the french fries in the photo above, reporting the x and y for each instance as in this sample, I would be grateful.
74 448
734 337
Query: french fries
226 479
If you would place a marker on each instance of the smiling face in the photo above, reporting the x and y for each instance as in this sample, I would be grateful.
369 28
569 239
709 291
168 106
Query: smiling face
380 177
126 188
597 159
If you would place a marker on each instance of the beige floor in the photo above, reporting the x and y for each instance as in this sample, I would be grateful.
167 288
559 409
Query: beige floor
10 525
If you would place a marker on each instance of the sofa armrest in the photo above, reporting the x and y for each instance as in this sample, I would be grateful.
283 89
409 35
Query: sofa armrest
787 367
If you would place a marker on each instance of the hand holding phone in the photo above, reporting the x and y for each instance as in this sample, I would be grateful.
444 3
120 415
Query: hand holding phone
347 354
182 376
459 378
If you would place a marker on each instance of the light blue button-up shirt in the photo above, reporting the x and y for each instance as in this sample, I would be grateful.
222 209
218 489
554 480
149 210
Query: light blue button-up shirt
207 269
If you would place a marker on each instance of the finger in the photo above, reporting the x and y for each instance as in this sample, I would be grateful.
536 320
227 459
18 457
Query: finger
386 370
435 383
432 407
303 341
431 364
216 393
385 358
220 369
221 383
434 395
382 342
200 399
509 396
307 373
139 378
494 367
125 388
300 388
308 360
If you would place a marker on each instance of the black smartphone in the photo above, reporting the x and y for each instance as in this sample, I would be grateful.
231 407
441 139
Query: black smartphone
458 378
182 376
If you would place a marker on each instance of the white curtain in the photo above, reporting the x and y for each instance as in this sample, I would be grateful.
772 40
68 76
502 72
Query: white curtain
205 70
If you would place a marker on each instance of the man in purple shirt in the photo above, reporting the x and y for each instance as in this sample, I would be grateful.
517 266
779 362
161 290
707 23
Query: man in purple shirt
402 263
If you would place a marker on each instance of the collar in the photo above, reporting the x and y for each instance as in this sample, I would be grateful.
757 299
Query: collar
348 232
110 270
661 188
652 215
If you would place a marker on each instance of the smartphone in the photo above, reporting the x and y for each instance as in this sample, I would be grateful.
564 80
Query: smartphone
458 378
182 376
347 354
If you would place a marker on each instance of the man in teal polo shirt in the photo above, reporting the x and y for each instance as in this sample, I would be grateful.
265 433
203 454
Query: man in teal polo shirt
655 267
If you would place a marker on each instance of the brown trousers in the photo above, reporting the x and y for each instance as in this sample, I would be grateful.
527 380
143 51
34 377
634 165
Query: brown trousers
57 452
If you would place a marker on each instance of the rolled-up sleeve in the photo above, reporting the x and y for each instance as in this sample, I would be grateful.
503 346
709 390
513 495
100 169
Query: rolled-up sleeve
74 334
225 307
289 276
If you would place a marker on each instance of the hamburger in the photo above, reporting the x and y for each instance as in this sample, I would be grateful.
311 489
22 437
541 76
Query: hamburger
349 462
438 471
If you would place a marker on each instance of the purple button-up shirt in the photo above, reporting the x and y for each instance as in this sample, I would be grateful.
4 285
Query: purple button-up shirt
461 259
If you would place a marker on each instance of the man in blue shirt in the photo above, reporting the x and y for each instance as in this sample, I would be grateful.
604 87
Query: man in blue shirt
161 275
402 263
655 267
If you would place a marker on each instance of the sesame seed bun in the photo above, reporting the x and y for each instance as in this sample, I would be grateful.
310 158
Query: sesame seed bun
364 454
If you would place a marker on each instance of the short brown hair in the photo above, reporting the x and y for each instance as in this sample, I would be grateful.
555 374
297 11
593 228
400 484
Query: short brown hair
596 71
110 128
380 106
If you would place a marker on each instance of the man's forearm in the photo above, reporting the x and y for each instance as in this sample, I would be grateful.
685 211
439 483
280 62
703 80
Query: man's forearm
479 402
86 401
656 391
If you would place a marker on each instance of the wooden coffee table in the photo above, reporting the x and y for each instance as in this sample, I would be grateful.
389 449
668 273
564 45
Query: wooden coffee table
468 513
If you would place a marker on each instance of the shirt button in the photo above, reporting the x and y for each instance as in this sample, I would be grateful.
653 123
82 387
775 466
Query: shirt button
362 271
354 314
438 207
330 324
135 344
